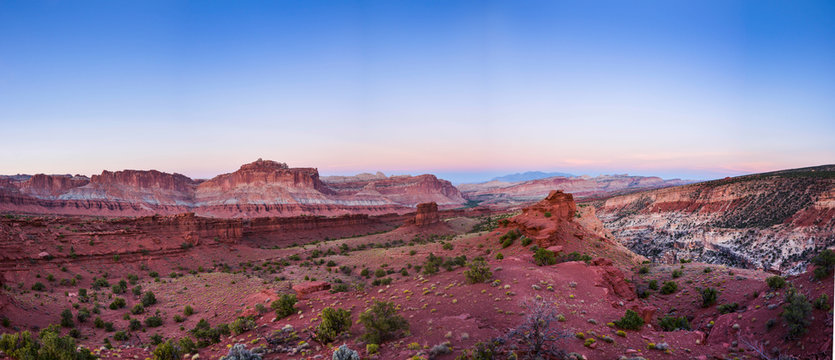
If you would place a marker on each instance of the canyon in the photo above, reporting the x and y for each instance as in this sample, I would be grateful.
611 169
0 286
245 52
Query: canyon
774 221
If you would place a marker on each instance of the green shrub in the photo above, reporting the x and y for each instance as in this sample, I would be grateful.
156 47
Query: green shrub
499 256
508 238
630 321
653 284
447 246
544 257
709 296
643 270
478 272
117 303
167 351
796 313
153 321
822 302
526 241
382 322
669 287
38 286
148 299
187 346
677 274
547 214
672 323
48 345
825 262
241 325
284 306
380 273
134 325
728 308
708 270
372 349
205 334
120 336
775 282
66 318
260 308
334 323
137 309
188 310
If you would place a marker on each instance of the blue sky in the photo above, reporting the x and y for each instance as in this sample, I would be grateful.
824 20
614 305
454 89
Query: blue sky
464 89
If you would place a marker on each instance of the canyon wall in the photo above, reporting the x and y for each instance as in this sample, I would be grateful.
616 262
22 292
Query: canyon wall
497 194
774 221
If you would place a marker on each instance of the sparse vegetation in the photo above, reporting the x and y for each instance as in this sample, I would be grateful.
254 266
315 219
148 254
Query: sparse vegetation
672 323
669 287
478 272
822 302
48 345
727 308
284 306
796 313
241 325
630 321
537 335
334 323
382 322
775 282
508 238
544 257
709 296
825 262
167 351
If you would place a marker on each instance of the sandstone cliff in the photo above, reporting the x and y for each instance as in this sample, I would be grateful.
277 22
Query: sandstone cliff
775 220
511 194
262 188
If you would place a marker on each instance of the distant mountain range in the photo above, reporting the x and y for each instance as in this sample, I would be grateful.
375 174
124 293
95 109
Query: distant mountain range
529 175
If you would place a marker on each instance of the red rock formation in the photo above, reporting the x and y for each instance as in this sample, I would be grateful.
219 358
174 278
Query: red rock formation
614 279
262 188
307 288
427 214
560 205
556 223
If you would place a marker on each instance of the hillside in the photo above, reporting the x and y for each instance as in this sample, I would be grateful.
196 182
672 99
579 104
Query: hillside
445 285
776 220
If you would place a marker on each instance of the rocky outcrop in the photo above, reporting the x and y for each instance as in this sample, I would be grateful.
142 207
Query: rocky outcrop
427 214
259 189
774 221
500 194
309 287
556 224
550 221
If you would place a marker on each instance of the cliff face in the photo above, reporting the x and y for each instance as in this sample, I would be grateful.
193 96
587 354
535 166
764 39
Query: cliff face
400 189
262 188
774 220
510 194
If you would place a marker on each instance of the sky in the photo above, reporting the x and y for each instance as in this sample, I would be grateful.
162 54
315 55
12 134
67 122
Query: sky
467 90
